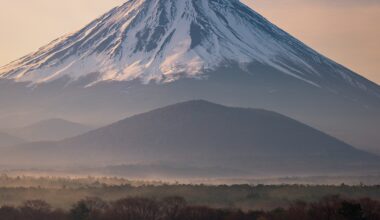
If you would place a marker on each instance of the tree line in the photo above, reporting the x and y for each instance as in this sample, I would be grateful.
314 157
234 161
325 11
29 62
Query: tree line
176 208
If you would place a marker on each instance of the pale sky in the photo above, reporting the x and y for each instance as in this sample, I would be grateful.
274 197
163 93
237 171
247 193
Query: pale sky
347 31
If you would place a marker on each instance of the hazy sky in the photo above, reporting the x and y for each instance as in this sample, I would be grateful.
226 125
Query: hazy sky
347 31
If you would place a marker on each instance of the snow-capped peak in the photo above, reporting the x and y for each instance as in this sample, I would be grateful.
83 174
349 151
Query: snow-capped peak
163 40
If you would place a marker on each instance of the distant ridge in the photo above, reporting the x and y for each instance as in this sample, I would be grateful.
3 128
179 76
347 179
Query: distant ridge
51 129
203 134
7 140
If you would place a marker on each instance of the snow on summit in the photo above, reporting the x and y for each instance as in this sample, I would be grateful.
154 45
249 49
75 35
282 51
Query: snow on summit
164 40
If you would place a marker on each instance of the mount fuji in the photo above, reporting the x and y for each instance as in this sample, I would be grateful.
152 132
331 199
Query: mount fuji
150 53
164 40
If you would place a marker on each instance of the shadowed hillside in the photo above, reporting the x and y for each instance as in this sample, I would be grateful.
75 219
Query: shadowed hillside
203 134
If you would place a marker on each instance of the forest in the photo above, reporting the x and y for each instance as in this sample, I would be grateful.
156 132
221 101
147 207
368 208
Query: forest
92 198
63 192
176 208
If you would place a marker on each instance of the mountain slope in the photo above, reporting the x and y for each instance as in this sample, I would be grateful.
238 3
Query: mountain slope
147 54
7 140
51 129
162 40
203 134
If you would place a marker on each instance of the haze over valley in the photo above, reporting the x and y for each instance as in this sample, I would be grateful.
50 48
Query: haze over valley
193 92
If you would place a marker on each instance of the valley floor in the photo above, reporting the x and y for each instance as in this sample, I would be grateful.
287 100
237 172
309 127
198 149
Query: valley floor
176 208
63 192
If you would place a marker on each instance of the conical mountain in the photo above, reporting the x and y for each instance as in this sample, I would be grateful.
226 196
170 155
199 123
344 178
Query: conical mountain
150 53
163 40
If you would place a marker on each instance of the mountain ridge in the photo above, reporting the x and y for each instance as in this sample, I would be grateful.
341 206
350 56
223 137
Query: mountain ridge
50 129
204 134
7 140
